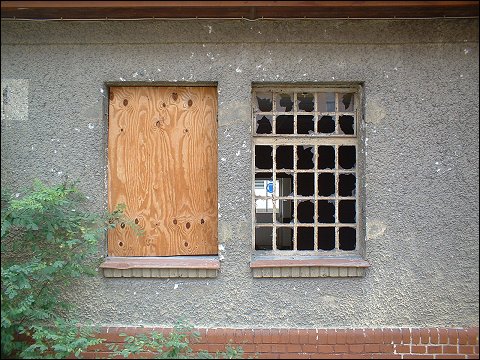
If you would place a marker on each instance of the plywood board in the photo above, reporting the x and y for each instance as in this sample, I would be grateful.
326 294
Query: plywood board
162 164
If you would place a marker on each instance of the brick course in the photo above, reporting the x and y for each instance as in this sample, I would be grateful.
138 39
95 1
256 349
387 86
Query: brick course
386 343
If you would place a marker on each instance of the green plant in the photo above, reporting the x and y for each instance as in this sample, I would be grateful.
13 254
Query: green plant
48 240
176 345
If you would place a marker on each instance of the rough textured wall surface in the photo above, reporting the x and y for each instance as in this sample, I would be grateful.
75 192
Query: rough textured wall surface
421 133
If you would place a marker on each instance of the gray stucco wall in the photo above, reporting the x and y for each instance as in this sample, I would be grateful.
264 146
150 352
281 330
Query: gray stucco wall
421 112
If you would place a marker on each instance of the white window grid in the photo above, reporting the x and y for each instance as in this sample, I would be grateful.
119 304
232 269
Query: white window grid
315 139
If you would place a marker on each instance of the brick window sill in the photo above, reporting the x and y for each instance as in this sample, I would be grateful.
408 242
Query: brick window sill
161 267
311 267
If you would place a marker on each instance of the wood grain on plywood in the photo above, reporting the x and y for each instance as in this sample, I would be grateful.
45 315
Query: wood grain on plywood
162 153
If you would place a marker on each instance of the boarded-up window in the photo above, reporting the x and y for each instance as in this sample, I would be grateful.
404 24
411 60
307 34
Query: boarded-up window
162 164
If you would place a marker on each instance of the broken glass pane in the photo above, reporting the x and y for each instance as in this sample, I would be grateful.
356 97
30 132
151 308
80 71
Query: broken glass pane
326 184
264 102
347 238
263 238
264 124
284 157
346 185
326 102
285 212
306 102
284 238
285 184
326 238
263 157
326 125
346 102
305 184
305 124
346 211
305 239
305 157
326 157
346 123
284 124
284 102
326 211
305 211
347 156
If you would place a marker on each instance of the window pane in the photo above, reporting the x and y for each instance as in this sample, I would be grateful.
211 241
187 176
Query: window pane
263 124
264 102
284 124
326 102
263 157
263 238
326 238
305 239
306 102
284 102
285 238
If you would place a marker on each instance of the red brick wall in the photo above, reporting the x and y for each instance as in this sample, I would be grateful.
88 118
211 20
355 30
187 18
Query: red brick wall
386 343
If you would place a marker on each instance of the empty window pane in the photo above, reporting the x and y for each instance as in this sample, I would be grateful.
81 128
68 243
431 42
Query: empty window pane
346 185
305 239
305 124
346 124
346 211
284 124
347 238
326 211
326 157
305 157
285 212
263 157
326 125
326 184
346 157
305 211
326 238
305 184
285 157
264 124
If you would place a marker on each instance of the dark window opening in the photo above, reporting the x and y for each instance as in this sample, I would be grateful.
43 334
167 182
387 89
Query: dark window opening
285 182
285 157
326 238
326 125
285 102
326 184
326 211
346 185
346 124
284 124
305 102
263 157
305 124
284 238
347 238
264 124
305 184
305 157
305 238
346 157
347 102
264 102
346 211
326 157
305 212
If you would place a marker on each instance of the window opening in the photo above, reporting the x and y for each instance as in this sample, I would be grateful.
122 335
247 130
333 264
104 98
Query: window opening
306 140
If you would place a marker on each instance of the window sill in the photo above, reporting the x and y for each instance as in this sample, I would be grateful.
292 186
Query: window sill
161 267
311 267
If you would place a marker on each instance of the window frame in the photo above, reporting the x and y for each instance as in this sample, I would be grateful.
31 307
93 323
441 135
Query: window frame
316 140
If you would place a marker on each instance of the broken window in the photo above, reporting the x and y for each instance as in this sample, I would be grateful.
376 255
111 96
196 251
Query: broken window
305 157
